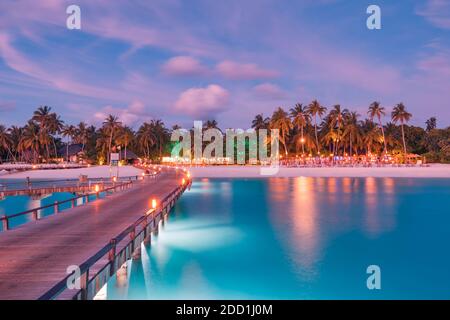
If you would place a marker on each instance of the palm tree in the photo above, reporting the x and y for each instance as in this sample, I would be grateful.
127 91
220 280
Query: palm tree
15 134
54 126
315 109
160 132
260 122
280 120
377 111
400 114
146 138
101 143
111 125
337 118
210 124
6 141
43 117
82 135
353 131
431 124
69 132
390 134
125 137
300 118
31 139
371 135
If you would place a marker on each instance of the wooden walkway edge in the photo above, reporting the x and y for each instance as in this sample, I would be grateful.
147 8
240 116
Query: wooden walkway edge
35 257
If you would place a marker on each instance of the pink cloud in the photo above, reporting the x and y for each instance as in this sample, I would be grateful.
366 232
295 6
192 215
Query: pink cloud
438 64
184 66
202 101
20 63
244 71
437 12
269 91
134 113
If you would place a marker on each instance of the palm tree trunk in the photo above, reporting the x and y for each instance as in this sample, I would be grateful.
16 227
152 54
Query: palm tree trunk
109 149
303 141
67 150
54 147
351 151
315 132
10 153
48 151
404 143
384 138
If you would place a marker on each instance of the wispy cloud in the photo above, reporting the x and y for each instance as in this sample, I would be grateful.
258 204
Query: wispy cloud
436 12
269 91
244 71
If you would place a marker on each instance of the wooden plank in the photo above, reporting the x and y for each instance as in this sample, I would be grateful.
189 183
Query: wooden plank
35 256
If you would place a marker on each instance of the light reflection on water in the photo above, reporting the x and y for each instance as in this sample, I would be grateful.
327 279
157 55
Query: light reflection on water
16 204
298 238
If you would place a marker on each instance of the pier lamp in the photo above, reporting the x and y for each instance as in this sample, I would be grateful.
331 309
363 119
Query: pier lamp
97 188
183 181
188 174
114 179
153 203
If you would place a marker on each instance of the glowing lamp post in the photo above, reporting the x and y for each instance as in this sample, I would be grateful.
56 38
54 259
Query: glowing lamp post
183 181
153 204
97 188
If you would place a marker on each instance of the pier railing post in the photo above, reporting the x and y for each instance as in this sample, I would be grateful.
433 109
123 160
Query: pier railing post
55 208
84 283
112 256
5 223
35 215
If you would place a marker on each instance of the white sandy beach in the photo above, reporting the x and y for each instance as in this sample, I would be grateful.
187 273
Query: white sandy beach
91 172
434 171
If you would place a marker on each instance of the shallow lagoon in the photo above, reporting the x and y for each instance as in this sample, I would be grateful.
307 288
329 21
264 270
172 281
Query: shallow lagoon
298 238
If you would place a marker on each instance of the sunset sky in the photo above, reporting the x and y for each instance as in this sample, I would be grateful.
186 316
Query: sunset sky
227 60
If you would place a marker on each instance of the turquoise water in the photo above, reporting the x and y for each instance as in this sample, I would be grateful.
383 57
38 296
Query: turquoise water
298 238
15 204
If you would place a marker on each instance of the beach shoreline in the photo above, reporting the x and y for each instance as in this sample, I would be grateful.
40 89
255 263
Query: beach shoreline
91 172
433 171
235 171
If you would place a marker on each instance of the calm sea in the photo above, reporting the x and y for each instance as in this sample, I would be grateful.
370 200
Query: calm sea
298 238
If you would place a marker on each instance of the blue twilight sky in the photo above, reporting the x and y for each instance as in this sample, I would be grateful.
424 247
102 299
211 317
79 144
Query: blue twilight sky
227 60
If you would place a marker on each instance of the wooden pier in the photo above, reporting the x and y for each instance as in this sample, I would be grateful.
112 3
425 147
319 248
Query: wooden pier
97 237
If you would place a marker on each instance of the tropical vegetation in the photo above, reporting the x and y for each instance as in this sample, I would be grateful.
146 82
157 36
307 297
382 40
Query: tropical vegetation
304 129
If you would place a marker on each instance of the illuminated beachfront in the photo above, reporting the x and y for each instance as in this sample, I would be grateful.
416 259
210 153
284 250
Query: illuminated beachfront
240 150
